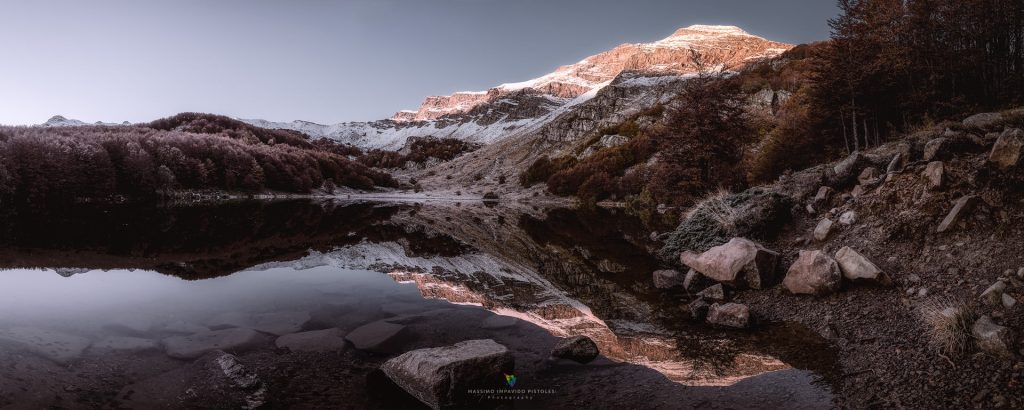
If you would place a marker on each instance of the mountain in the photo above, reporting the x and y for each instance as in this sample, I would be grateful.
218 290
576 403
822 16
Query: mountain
61 121
493 115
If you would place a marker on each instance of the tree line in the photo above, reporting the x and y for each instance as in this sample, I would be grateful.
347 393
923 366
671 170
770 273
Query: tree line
185 152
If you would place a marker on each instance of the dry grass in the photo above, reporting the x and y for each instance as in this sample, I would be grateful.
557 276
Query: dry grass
949 324
715 207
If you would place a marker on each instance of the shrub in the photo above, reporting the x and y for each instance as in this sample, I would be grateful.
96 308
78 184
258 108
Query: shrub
949 324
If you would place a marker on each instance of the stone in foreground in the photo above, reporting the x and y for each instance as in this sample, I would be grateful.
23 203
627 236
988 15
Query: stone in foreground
698 309
326 340
856 267
193 346
442 377
813 273
377 337
992 338
667 278
579 349
53 345
934 174
993 295
738 262
732 315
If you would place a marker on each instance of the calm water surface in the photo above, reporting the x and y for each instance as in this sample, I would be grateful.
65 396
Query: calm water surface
90 296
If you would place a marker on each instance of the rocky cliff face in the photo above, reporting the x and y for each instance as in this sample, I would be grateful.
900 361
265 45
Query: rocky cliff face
509 110
688 50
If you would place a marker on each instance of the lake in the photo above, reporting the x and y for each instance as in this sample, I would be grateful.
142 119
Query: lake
123 306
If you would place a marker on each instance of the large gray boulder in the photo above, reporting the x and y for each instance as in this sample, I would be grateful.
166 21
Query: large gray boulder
193 346
579 349
739 262
732 315
813 273
1007 151
442 377
992 338
856 267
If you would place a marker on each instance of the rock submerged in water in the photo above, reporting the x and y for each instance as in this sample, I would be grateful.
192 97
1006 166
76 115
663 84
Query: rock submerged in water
58 347
580 349
377 337
325 340
215 380
733 315
442 377
739 262
193 346
813 273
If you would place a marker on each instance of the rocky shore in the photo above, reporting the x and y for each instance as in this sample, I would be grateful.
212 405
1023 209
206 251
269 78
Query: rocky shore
905 257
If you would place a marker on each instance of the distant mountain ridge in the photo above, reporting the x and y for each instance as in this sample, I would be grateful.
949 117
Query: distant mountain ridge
489 116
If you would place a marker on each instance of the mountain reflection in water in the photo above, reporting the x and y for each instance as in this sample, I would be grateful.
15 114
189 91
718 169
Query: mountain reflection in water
569 272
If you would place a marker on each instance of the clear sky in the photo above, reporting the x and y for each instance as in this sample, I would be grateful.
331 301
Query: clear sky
324 61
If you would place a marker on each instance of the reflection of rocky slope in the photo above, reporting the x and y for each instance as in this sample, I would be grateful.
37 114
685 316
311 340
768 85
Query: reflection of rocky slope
559 288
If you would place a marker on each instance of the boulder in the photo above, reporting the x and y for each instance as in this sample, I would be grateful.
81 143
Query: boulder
713 293
933 149
59 347
822 230
378 337
813 273
848 218
962 206
442 377
985 121
856 267
131 325
193 346
1007 151
667 278
933 174
993 295
729 315
738 262
698 309
326 340
126 344
847 169
992 338
580 349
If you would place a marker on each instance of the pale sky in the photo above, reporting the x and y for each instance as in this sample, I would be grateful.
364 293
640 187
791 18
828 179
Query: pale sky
324 61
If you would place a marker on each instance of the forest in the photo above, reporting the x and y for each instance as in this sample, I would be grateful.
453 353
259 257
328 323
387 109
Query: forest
185 152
